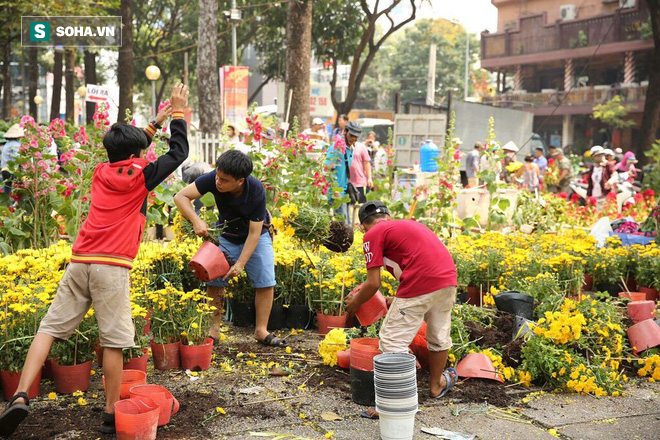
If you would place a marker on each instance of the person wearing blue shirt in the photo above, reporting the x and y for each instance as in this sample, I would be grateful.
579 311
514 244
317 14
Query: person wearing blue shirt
9 153
338 160
540 160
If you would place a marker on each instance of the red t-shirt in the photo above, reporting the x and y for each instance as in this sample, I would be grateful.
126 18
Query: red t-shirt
413 254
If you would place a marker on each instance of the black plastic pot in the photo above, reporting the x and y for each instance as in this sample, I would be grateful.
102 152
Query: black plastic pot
518 324
516 303
298 316
362 387
277 318
242 314
612 288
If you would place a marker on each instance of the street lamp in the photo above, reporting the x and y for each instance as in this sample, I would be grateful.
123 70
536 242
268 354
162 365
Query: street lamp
82 92
38 100
153 73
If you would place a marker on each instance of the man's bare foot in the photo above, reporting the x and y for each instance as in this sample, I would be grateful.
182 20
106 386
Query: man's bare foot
436 390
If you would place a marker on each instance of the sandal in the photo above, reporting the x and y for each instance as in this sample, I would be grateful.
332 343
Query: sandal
13 415
371 414
273 341
108 426
449 381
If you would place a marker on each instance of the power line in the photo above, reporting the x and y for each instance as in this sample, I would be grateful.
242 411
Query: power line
561 102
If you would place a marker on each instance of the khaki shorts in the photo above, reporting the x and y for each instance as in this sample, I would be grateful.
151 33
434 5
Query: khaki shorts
103 286
406 315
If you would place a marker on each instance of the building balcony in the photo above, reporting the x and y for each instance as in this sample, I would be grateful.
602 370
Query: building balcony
578 101
537 41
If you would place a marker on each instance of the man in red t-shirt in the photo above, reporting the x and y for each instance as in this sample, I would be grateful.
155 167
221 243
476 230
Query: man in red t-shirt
427 287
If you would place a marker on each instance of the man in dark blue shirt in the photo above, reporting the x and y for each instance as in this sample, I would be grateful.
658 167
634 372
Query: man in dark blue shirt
241 202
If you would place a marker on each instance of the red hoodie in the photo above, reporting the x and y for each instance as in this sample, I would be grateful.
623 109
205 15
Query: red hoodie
112 232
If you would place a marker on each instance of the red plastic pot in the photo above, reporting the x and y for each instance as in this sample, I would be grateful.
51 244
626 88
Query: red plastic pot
166 356
651 294
136 419
633 296
419 347
474 296
166 402
363 351
147 326
588 282
10 384
328 322
478 365
372 310
209 262
644 335
129 379
71 378
641 310
344 359
196 357
138 363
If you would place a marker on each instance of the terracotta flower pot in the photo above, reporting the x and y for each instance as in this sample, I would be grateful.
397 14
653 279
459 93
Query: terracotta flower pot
10 384
328 322
197 357
71 378
478 365
166 356
651 294
633 296
372 310
644 335
136 419
209 262
129 379
344 359
363 351
167 403
138 363
641 310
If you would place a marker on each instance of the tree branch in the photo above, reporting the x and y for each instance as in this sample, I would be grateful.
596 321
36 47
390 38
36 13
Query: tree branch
261 86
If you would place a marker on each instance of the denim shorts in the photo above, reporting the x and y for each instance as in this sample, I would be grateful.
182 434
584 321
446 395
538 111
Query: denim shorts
260 267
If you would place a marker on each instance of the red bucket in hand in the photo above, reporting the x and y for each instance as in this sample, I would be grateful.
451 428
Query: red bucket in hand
372 310
209 263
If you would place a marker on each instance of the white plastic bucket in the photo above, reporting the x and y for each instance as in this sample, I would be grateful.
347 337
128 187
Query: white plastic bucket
397 427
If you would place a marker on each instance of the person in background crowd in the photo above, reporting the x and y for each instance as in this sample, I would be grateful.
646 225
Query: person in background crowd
565 170
551 151
341 125
338 160
540 160
9 153
627 165
380 160
317 131
618 153
598 174
360 173
369 143
510 149
610 157
232 134
472 164
531 174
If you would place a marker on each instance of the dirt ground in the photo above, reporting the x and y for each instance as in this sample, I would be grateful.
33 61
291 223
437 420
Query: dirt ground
304 399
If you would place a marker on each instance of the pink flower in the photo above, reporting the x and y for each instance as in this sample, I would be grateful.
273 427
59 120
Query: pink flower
27 121
161 105
151 153
457 155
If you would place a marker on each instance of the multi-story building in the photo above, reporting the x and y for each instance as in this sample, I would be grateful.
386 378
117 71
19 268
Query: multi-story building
559 59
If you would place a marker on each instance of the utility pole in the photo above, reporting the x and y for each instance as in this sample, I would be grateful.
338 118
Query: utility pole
467 62
233 31
430 83
185 68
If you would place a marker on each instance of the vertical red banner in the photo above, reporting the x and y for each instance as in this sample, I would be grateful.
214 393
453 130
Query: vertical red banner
234 86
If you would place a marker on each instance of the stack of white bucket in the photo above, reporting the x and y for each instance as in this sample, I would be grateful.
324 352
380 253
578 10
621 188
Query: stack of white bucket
395 379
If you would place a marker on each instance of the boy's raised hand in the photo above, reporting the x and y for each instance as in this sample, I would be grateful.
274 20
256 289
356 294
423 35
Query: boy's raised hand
179 98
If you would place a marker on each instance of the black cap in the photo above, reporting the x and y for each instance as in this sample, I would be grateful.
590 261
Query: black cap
354 128
370 208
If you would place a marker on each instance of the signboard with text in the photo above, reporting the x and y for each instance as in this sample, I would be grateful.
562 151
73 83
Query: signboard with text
320 103
97 93
234 89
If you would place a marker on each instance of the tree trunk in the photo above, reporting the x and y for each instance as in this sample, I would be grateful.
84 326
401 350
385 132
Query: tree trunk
298 58
90 78
33 79
126 60
6 81
208 80
70 61
57 85
651 114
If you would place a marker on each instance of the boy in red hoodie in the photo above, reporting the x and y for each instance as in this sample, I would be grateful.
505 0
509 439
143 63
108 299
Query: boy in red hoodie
103 254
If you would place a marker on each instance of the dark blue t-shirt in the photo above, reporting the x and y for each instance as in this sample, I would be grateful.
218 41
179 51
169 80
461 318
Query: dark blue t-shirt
236 213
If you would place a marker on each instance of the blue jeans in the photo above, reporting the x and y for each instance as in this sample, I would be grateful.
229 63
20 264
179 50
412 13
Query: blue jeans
260 267
344 210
